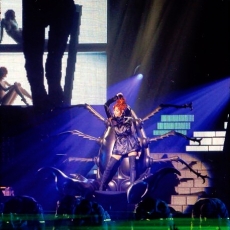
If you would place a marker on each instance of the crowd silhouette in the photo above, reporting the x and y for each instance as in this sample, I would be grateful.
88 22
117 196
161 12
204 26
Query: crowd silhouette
24 212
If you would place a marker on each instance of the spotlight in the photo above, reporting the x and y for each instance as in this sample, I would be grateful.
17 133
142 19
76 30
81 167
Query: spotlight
139 76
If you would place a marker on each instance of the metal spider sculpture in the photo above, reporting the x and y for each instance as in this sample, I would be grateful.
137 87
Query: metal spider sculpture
145 181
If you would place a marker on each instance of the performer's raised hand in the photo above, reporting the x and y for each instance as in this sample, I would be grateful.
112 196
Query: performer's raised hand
119 95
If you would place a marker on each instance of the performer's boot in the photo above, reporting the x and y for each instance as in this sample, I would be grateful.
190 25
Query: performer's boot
107 173
132 166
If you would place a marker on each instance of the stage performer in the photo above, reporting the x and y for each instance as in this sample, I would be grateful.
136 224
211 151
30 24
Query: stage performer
126 142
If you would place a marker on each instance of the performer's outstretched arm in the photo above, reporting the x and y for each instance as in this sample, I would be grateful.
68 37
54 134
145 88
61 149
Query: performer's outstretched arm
107 104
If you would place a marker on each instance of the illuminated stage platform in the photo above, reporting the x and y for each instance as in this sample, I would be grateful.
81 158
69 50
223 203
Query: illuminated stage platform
30 141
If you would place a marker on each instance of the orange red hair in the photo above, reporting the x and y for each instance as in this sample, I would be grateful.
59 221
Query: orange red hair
121 104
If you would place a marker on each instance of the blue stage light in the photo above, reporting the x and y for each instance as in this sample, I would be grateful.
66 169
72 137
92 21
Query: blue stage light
139 76
129 87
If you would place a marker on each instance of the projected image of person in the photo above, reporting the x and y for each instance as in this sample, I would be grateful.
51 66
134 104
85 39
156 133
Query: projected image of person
37 15
126 142
10 25
8 92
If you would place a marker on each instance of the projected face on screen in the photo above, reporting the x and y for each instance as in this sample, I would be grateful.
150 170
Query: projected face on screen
90 75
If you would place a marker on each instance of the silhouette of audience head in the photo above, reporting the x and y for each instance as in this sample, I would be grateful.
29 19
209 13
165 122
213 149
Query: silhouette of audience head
22 212
209 208
154 212
149 209
89 214
66 205
64 211
79 213
210 212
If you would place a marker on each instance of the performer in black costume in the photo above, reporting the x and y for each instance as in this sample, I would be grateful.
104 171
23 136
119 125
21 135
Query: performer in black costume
126 143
